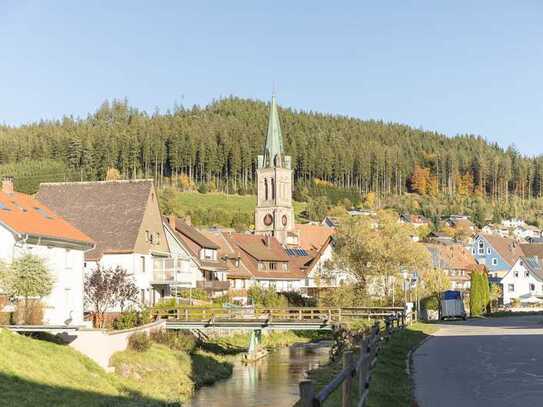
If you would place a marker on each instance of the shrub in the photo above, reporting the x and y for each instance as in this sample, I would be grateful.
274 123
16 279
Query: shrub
515 302
132 318
296 299
139 342
266 297
126 320
178 341
430 303
195 293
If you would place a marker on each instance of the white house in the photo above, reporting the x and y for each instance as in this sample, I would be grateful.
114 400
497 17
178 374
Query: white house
524 281
123 218
27 226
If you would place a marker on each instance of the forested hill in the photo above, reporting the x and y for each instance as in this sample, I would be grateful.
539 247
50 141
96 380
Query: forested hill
221 141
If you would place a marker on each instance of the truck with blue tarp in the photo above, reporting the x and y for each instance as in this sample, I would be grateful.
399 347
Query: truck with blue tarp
452 305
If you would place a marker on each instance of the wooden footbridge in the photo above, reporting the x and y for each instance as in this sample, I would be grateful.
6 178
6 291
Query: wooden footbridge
251 318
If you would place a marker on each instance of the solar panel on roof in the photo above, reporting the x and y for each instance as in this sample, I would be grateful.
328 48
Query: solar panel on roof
296 252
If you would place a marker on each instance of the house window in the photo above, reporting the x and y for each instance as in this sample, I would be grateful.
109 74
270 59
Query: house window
532 287
494 261
488 251
473 251
147 236
157 239
511 288
526 273
142 264
67 260
481 248
273 266
516 273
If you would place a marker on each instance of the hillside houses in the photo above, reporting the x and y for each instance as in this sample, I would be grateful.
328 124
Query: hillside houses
455 260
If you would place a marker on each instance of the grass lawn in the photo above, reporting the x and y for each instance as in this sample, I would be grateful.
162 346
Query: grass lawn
39 373
390 386
187 201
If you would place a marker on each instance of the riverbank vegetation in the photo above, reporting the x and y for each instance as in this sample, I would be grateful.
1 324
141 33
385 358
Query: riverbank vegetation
390 385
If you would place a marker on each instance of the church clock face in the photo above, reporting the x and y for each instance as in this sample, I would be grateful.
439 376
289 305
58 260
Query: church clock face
268 220
284 220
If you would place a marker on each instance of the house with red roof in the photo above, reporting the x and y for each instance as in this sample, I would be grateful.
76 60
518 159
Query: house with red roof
27 226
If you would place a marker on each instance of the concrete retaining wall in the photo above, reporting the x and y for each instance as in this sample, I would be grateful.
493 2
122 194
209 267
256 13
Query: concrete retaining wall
100 345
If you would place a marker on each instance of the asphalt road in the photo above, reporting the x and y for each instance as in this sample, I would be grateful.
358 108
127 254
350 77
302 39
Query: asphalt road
494 362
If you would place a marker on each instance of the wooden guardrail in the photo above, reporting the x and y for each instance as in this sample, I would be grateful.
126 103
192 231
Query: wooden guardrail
330 315
358 369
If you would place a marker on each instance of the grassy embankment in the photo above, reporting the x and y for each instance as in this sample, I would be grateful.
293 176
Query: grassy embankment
39 373
390 386
34 372
163 374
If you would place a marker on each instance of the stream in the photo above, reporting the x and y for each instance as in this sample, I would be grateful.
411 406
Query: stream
272 381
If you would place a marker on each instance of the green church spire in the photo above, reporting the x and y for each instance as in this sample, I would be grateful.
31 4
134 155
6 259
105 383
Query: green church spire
273 151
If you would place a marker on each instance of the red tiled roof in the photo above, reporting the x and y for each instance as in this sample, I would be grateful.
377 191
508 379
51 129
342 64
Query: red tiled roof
252 249
313 237
26 215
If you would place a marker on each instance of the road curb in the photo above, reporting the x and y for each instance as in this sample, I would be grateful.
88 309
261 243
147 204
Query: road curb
409 366
409 357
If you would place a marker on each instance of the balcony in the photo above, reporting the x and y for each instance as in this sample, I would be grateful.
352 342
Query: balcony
171 271
213 285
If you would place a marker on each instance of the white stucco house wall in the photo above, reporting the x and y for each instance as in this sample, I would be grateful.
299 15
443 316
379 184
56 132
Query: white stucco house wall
123 218
524 281
29 227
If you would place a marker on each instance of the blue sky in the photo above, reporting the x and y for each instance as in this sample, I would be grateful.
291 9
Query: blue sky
451 66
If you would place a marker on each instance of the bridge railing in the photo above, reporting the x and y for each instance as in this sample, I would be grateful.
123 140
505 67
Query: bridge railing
329 315
355 368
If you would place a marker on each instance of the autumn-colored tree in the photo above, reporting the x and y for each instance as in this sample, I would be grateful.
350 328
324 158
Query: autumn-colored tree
369 201
378 246
420 180
435 281
113 174
185 183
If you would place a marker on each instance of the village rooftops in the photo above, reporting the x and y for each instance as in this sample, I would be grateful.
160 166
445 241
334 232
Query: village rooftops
510 250
110 212
25 215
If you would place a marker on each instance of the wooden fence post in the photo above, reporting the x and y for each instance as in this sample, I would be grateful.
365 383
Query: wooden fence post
347 394
362 370
307 393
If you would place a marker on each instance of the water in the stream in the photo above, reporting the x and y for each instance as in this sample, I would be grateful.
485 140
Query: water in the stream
272 381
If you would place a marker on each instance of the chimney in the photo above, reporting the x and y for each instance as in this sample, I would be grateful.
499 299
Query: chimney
7 184
188 220
171 221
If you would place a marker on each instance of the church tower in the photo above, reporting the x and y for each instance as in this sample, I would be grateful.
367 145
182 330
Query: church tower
274 214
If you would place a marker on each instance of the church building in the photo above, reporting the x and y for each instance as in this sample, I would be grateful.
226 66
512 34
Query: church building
274 215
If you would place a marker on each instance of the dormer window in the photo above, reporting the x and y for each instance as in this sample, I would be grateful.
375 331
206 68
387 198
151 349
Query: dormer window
208 254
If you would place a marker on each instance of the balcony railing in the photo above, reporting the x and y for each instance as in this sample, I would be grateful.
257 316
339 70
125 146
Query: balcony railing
169 270
213 285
